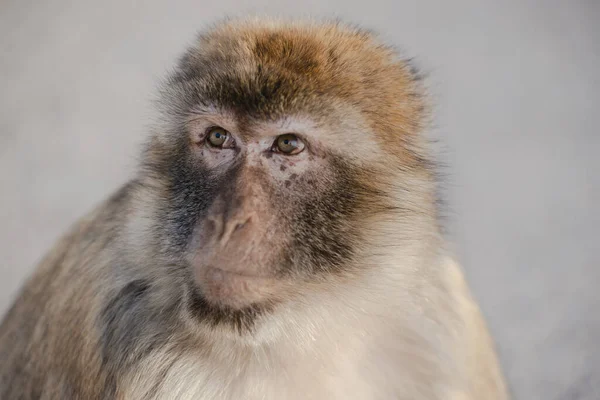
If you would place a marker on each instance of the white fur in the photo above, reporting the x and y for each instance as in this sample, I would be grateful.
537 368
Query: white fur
364 341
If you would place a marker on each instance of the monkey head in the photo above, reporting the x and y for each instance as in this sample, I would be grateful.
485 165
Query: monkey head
283 159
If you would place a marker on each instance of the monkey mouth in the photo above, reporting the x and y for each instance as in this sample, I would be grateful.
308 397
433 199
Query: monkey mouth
233 289
218 274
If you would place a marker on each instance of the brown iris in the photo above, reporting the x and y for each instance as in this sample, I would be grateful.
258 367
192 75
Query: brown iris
217 136
289 144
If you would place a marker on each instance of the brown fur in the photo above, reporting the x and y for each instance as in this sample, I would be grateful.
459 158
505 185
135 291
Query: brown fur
243 273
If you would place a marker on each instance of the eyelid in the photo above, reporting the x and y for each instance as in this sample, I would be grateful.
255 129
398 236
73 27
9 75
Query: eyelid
210 128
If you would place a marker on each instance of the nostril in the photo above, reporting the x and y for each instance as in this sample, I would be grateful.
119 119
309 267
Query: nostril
234 225
245 222
213 226
239 225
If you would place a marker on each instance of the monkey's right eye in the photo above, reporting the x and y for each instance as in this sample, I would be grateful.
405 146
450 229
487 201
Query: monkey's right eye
217 136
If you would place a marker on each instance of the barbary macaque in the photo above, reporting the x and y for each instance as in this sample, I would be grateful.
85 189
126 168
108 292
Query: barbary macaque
280 240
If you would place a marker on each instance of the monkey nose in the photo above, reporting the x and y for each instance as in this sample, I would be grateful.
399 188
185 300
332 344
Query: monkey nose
233 225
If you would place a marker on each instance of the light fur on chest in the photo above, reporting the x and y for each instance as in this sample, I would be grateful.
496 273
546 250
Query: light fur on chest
345 345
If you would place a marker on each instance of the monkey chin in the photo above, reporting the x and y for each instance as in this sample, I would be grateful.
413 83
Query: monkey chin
221 287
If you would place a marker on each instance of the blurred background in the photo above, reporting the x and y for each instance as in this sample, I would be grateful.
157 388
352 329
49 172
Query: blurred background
516 88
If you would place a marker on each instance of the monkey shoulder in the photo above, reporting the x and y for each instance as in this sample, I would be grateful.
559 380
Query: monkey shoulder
482 371
47 336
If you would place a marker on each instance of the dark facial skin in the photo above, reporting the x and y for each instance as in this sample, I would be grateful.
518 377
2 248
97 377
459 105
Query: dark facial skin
253 221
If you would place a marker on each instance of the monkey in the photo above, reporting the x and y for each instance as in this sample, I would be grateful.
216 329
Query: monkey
281 239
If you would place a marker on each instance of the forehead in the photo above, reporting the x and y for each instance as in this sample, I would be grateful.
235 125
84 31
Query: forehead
267 72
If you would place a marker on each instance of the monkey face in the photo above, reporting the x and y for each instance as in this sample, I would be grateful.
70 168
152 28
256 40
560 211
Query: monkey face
277 150
260 209
280 210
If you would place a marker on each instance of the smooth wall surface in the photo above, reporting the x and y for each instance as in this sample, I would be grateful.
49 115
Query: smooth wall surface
516 86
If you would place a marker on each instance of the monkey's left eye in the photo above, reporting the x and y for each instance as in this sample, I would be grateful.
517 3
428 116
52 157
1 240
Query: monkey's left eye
217 136
289 144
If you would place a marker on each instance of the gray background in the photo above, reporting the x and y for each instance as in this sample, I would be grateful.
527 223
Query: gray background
517 90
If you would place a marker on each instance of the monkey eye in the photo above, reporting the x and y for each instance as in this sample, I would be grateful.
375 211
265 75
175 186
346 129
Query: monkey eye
288 144
217 136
